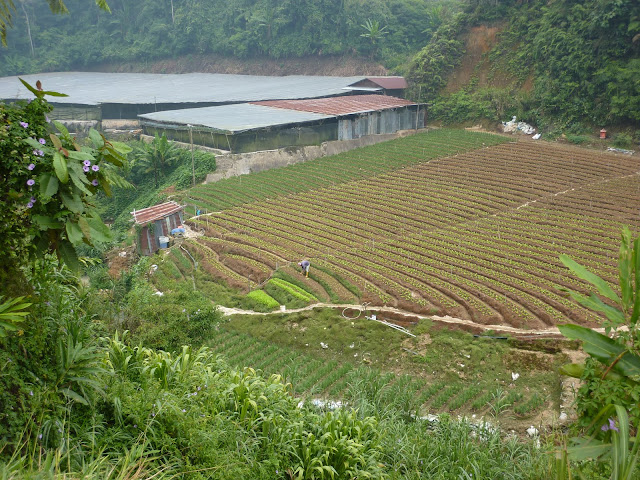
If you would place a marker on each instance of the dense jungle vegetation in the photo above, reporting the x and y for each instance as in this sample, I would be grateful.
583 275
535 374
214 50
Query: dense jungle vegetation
148 30
561 65
564 64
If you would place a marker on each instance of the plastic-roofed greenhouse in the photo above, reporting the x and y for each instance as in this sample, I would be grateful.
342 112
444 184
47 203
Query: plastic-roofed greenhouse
97 96
268 125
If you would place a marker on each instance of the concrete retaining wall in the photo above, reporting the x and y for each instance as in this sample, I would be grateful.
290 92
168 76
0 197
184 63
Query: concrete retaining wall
232 165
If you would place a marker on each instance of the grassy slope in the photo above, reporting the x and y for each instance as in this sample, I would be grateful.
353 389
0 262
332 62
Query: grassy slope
435 357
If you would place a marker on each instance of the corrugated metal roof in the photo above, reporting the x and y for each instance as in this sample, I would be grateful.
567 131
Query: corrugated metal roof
390 83
93 88
340 105
157 212
233 118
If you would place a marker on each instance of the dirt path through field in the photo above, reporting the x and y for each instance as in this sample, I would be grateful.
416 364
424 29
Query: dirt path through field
554 332
447 320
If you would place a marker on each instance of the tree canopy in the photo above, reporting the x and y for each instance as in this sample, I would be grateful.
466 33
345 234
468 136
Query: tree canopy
156 29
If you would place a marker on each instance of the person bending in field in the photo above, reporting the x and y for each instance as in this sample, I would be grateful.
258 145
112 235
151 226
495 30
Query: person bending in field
304 265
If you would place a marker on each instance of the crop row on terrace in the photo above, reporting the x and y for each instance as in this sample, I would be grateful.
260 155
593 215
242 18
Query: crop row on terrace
476 235
337 169
331 379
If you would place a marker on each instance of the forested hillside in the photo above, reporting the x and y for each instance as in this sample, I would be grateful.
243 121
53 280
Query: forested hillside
157 29
559 65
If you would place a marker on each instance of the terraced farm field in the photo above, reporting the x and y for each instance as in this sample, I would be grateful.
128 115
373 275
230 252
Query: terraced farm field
448 222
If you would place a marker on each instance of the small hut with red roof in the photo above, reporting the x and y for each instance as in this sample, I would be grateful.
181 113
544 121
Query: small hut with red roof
154 222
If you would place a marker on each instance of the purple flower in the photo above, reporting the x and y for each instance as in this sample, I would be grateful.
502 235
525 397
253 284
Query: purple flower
95 168
183 410
94 182
40 437
42 141
611 426
31 166
33 199
47 119
29 205
24 124
31 393
86 169
87 163
40 153
31 182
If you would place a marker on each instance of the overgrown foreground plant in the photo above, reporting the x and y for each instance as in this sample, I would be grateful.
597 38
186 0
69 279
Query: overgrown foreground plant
609 400
47 184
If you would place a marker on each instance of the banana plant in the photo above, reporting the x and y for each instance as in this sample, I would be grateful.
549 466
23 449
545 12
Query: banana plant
619 360
619 355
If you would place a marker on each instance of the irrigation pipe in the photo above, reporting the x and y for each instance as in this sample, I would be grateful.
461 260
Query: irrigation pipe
392 325
363 308
195 264
506 329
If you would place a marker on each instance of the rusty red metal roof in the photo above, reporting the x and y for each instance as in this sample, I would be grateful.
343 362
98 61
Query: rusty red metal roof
157 212
390 83
343 105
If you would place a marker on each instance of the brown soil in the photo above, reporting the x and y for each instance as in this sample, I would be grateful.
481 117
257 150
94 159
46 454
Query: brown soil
476 66
418 344
342 66
479 41
120 259
343 294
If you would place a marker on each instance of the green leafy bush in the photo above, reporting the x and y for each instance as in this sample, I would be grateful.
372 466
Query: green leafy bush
48 180
622 140
179 317
609 373
578 139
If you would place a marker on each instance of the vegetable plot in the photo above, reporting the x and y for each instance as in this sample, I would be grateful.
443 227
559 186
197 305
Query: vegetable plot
475 235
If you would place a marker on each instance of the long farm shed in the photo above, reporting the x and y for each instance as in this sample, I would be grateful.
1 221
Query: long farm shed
267 125
97 96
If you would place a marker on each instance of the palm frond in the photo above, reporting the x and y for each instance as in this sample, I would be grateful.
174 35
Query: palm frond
57 6
6 19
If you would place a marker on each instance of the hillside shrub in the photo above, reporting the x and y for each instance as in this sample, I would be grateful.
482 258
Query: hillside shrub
622 140
578 139
49 365
577 61
178 317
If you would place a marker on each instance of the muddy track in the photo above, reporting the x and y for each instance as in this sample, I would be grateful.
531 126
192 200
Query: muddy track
446 320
